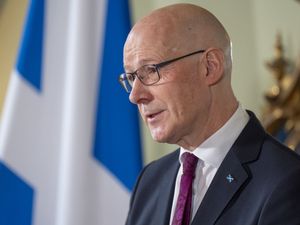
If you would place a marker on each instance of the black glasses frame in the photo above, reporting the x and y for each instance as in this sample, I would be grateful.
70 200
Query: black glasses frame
162 64
124 76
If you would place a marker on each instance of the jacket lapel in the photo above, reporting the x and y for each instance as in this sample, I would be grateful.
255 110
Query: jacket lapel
225 184
232 176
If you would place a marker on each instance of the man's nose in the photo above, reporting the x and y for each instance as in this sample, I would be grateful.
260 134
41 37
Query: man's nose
139 93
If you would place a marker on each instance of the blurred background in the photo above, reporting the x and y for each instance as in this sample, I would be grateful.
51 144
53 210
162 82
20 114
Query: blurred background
253 27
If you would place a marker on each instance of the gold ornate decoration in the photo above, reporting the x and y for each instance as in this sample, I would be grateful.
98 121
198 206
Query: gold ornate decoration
281 116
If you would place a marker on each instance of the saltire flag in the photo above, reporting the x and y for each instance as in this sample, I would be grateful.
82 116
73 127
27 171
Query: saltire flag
69 138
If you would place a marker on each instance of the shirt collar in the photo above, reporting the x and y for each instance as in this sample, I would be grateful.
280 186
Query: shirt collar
214 149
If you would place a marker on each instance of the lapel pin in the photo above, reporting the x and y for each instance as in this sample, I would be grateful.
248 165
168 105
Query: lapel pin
230 178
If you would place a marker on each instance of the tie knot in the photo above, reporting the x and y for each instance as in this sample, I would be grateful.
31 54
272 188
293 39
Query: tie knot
189 163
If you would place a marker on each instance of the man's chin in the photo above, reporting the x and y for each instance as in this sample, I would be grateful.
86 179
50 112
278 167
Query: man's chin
161 137
158 136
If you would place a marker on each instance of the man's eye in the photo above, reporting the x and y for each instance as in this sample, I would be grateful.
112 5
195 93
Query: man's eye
150 70
143 75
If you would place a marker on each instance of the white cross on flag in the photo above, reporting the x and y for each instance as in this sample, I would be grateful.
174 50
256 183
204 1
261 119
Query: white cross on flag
69 138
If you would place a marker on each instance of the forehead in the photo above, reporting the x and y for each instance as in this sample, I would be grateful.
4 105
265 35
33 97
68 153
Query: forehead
144 53
147 45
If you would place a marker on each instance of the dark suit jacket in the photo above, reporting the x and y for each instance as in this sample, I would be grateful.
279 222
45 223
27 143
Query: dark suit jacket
265 190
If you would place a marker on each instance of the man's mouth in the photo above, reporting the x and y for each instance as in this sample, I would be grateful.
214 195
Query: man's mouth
152 117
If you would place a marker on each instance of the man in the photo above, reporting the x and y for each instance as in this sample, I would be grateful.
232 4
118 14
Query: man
227 170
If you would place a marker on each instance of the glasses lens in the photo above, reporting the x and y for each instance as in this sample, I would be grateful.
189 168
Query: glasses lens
148 74
125 81
130 78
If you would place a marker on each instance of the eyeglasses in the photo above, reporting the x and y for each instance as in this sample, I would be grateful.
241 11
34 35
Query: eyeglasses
148 74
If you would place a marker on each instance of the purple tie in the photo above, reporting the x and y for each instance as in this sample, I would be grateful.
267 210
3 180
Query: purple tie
182 213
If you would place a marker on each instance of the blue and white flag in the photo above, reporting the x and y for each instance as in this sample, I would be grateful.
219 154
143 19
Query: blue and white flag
69 138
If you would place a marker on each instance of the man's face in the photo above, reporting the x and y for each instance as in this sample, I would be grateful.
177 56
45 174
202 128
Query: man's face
177 106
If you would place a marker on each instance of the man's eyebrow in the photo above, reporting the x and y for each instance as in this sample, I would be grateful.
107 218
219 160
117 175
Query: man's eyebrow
141 63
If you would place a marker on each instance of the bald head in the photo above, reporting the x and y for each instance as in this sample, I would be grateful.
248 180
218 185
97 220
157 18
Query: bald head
179 29
182 102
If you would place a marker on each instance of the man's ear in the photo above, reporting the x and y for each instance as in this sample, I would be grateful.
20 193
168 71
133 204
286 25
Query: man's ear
215 65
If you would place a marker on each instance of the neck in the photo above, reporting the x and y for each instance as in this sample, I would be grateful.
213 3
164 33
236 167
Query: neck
214 122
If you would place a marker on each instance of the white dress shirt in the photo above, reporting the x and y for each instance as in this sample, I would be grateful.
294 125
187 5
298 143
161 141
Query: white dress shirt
211 154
